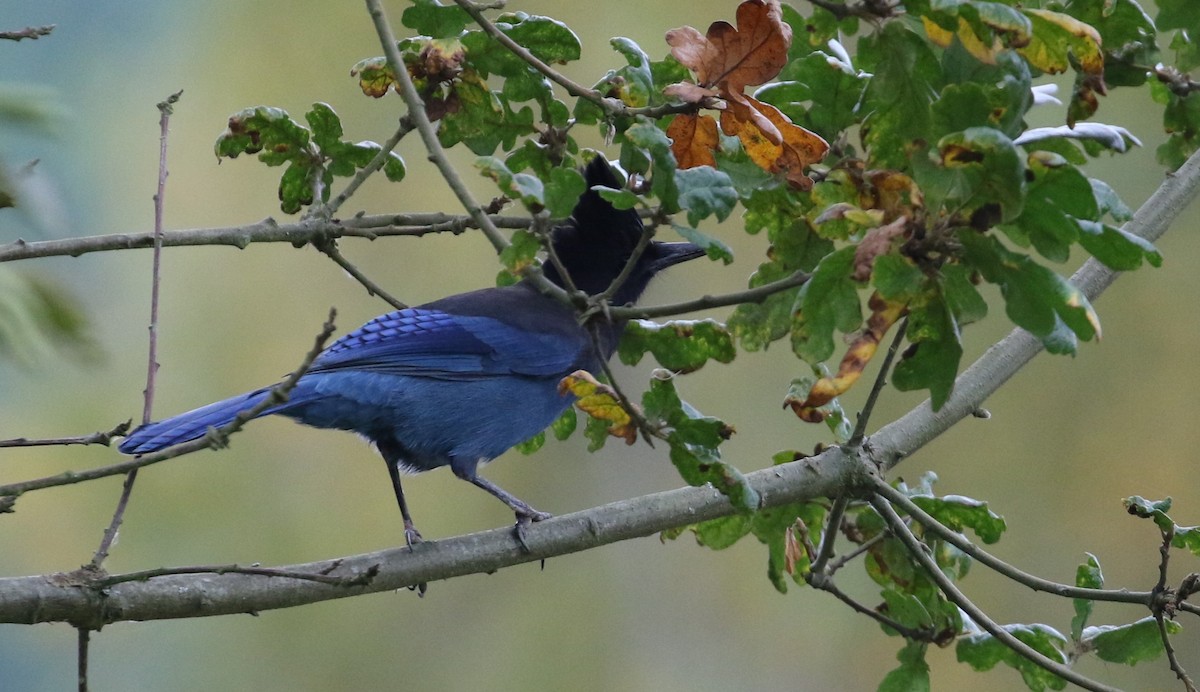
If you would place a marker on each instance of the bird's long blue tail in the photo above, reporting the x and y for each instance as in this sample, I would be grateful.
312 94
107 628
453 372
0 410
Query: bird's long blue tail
193 424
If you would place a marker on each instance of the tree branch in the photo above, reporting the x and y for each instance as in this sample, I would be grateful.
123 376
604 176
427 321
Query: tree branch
96 438
72 598
1036 583
918 551
265 231
1004 359
216 437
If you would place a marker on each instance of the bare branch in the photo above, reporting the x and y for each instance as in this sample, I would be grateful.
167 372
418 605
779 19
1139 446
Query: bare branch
265 231
1036 583
215 438
96 438
165 109
330 249
919 552
32 33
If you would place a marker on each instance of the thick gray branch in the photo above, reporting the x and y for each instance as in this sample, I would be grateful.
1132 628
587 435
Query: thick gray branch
68 597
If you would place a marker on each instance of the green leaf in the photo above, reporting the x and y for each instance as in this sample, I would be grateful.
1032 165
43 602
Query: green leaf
1187 538
521 251
532 445
484 119
1088 576
1179 14
680 345
829 300
1128 644
694 438
713 247
1116 248
913 673
772 526
268 132
823 78
1057 199
518 186
932 361
431 18
563 191
1156 510
1036 298
550 40
981 171
722 532
982 652
958 513
896 277
704 192
1127 35
904 82
564 425
954 281
1109 202
620 199
1057 39
646 136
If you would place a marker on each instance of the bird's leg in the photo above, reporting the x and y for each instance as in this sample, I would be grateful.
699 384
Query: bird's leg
525 513
411 535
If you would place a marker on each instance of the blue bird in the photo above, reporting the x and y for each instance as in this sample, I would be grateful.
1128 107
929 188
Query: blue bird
460 380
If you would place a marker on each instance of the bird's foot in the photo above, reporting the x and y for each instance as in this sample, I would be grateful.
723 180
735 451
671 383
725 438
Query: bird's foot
524 519
412 537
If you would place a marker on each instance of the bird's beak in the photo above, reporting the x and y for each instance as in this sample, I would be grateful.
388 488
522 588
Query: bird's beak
670 254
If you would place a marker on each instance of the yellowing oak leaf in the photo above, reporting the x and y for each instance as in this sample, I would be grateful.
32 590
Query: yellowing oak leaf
884 314
599 401
693 140
771 140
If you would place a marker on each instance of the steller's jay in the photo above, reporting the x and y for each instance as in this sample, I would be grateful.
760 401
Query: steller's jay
460 380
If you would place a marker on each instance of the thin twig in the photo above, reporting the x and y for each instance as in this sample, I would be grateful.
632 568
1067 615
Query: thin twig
750 295
919 552
1036 583
1172 659
96 438
860 426
835 565
83 638
648 431
823 583
165 109
32 33
319 577
215 438
265 231
832 528
330 249
406 126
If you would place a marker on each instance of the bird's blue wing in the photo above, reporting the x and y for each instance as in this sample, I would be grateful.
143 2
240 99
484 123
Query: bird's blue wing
437 344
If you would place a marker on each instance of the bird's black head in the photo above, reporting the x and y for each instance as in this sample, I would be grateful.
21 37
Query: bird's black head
597 241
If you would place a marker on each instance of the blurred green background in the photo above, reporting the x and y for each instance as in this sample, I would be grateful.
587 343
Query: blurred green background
1067 440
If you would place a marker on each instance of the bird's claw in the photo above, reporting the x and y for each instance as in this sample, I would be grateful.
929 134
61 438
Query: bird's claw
524 519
